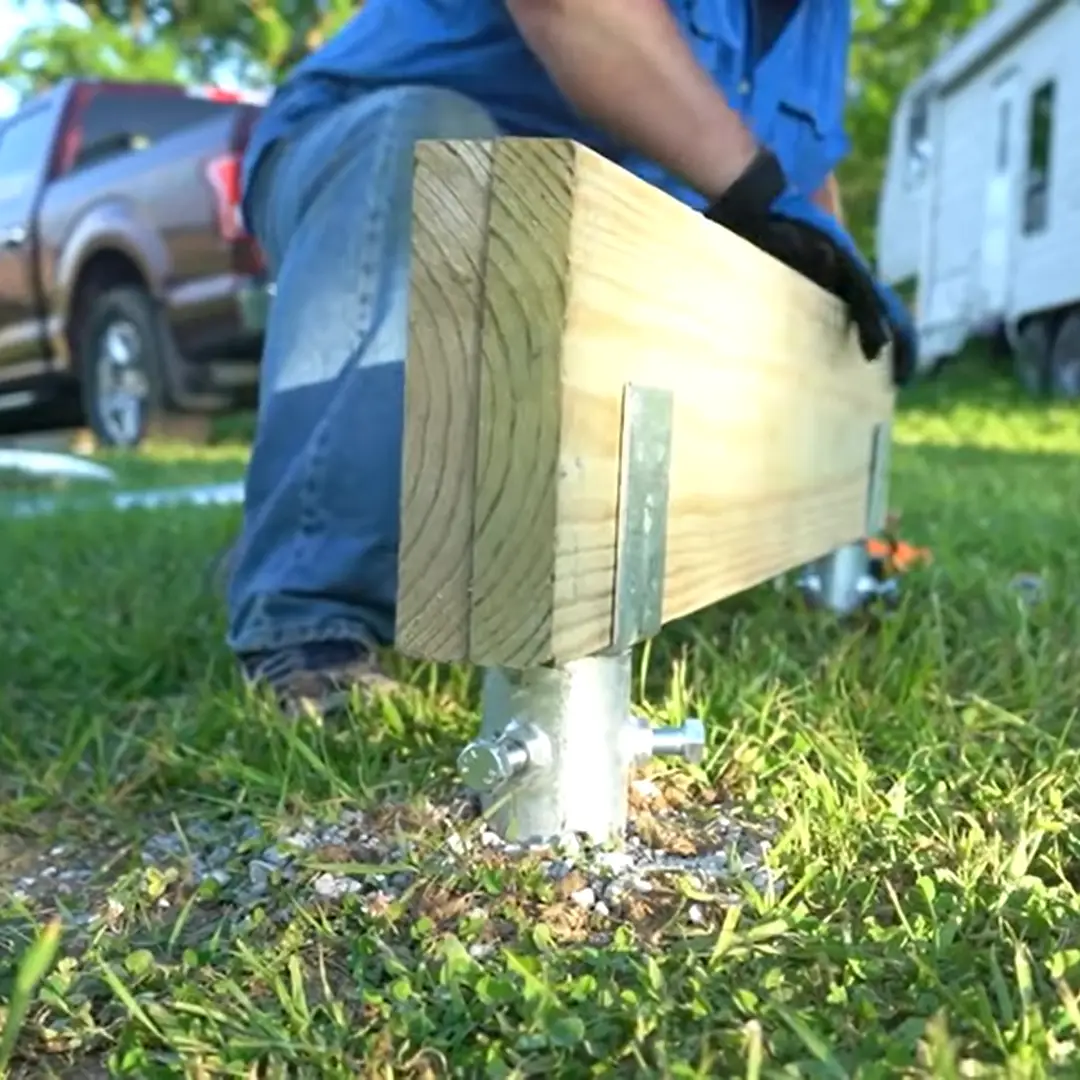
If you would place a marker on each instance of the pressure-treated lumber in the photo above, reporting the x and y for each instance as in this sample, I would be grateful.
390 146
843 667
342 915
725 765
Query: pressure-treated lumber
544 280
451 200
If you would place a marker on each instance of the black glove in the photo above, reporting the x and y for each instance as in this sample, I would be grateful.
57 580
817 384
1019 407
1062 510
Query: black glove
758 208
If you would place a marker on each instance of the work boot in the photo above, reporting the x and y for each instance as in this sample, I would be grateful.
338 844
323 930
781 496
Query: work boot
317 680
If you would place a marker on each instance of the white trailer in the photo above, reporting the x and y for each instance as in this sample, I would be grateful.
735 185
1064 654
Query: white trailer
902 205
981 202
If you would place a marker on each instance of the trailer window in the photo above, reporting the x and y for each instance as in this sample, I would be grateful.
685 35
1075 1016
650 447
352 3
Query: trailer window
1040 139
917 148
1004 118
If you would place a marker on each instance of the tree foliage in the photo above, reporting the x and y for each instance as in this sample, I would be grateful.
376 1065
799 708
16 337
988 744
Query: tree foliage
894 41
256 42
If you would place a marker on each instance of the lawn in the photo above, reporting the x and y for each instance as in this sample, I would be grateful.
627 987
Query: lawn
191 886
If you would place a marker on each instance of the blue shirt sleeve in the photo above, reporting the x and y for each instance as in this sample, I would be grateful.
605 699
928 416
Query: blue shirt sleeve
834 109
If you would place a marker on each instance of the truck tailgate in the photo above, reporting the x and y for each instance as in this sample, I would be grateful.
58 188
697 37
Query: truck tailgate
171 206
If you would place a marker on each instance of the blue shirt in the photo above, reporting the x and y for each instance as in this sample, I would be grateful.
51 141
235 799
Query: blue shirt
792 97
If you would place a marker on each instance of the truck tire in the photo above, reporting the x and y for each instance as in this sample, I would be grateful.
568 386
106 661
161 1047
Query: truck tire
1031 363
121 343
1065 359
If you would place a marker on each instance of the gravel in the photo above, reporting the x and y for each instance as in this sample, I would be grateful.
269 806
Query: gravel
710 846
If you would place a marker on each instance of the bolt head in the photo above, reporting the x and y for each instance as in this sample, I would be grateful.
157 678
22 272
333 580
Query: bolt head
484 766
868 587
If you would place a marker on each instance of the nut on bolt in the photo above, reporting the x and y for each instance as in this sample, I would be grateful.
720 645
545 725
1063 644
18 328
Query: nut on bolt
687 741
693 735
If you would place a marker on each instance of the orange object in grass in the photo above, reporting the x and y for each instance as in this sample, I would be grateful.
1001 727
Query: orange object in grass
897 556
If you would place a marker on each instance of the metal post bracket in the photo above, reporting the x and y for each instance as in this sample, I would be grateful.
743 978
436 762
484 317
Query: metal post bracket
641 540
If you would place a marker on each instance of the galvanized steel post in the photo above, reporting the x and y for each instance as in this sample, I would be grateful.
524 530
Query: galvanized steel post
557 744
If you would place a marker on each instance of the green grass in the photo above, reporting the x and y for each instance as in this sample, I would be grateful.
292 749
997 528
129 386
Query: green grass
923 775
156 465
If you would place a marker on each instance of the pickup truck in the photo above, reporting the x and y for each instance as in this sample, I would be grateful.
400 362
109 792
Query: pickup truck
128 284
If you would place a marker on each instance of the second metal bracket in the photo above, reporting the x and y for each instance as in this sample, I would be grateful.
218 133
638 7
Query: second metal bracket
877 495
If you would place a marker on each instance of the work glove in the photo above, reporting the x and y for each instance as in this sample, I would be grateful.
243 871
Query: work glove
761 208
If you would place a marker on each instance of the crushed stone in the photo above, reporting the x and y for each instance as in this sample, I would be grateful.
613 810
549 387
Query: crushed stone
674 833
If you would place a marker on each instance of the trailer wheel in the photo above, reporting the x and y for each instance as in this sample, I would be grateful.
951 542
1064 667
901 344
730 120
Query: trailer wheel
1031 362
1065 359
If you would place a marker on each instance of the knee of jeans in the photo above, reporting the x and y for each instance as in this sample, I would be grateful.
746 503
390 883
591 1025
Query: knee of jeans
350 139
424 112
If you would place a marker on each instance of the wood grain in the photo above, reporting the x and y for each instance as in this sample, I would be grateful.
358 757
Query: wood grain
451 199
519 417
592 279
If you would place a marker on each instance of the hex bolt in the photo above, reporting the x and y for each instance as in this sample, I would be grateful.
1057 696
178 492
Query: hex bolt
866 589
487 764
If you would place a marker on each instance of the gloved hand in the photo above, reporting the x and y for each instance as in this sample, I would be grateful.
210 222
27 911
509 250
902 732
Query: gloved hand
760 208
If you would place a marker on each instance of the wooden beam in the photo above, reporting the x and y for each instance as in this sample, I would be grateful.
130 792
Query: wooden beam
545 279
451 198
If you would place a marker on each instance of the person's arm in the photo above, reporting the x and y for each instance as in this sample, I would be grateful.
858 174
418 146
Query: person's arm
625 65
827 198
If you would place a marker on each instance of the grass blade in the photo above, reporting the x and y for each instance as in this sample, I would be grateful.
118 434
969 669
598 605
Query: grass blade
34 966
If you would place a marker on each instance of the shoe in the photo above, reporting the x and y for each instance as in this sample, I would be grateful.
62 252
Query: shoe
319 679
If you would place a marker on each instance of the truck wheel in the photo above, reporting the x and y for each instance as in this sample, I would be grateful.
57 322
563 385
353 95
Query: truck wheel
120 347
1031 364
1065 359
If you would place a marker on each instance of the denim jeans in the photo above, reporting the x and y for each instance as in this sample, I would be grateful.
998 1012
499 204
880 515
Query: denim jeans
331 207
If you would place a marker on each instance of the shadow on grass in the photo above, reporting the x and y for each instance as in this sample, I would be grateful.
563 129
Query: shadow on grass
976 377
976 401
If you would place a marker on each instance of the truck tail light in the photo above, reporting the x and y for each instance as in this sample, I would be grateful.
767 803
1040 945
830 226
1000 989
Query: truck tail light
225 175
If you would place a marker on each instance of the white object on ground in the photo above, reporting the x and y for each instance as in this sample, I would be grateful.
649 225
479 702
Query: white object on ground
226 494
47 463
